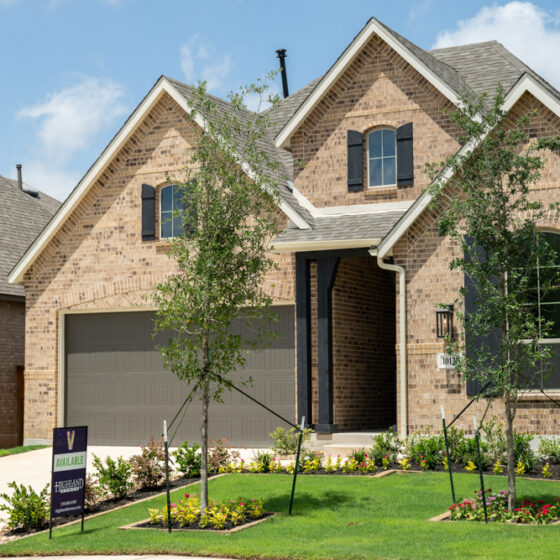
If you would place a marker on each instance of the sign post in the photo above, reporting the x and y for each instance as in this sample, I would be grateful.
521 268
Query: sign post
68 475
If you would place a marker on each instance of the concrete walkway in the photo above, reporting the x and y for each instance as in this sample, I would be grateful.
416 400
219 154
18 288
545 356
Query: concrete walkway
153 557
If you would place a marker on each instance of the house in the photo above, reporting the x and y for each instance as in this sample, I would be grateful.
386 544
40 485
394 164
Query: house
23 215
361 268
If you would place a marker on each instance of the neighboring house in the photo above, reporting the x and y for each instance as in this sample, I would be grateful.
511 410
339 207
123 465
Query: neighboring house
23 214
361 272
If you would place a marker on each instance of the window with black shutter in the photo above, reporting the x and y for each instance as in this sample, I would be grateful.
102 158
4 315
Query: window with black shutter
148 197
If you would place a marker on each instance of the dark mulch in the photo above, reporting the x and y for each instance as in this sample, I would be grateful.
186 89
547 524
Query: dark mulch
196 527
106 505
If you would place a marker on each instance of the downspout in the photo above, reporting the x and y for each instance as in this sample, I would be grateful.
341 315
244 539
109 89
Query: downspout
402 339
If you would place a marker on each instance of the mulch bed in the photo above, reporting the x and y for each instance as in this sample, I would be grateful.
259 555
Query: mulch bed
229 528
103 506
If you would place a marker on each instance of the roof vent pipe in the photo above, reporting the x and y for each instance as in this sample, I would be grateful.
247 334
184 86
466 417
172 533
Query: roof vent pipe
19 179
282 58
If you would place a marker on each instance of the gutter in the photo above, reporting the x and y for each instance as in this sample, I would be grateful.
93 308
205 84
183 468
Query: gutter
403 427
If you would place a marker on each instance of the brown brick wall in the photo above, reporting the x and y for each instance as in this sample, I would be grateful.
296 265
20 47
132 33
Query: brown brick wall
379 89
363 346
98 260
12 332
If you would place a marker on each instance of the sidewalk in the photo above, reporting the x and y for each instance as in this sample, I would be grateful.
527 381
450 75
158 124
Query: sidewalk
148 557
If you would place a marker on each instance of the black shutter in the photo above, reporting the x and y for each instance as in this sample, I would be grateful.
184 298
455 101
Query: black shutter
405 156
355 161
148 213
491 340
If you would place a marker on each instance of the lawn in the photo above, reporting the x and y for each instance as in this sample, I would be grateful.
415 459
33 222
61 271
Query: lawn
20 449
334 517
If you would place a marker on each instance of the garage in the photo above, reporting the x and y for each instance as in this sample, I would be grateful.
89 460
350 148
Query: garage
117 386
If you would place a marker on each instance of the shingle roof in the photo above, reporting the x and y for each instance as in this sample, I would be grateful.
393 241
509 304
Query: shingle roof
343 227
282 157
22 217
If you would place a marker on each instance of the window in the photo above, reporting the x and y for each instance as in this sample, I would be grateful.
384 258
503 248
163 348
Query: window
545 299
171 212
382 158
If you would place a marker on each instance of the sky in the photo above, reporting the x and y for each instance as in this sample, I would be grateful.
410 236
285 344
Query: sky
73 70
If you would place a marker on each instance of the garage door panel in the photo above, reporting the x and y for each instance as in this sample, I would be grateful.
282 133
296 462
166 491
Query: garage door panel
117 385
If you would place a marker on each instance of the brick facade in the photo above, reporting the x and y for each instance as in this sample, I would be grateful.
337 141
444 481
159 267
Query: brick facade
12 330
98 261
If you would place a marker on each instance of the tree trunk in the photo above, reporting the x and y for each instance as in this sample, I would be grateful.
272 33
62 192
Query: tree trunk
204 432
510 453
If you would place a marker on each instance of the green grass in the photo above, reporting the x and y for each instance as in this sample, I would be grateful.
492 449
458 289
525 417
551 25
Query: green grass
20 449
334 517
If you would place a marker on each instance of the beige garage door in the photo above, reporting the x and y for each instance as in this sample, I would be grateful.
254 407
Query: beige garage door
116 384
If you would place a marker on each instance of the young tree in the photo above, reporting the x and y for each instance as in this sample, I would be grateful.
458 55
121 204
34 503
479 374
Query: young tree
229 195
489 211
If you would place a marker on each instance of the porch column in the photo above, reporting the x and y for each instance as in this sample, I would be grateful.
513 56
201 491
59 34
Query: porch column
326 274
303 328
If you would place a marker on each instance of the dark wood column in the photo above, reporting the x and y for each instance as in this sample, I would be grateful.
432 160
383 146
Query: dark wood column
303 314
326 274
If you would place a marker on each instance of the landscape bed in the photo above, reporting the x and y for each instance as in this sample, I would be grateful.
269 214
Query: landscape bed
334 517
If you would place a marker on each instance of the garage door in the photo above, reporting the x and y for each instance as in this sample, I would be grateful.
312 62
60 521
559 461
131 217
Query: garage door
116 384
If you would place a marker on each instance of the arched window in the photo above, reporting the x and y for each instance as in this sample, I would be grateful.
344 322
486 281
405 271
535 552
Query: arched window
382 158
171 212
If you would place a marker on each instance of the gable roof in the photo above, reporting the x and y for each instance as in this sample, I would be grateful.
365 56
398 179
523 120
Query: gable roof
22 217
181 93
442 76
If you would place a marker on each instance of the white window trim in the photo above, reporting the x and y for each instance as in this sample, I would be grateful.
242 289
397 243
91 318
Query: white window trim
388 185
160 211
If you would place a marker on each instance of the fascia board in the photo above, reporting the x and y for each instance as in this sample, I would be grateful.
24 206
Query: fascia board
299 246
283 137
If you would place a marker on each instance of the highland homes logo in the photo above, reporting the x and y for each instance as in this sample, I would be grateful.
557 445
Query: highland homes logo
70 439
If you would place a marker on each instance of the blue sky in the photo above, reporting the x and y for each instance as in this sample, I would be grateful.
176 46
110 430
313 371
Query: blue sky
73 70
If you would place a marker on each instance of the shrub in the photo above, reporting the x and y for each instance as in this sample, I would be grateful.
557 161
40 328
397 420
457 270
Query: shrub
219 455
359 455
426 448
27 509
286 441
496 439
549 450
522 451
263 461
385 445
93 492
187 459
466 453
114 476
148 468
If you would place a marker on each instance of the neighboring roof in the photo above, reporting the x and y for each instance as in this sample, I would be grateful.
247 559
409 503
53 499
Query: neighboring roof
339 231
22 217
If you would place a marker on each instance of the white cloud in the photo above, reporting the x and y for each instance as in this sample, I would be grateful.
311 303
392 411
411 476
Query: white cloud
529 32
199 61
67 124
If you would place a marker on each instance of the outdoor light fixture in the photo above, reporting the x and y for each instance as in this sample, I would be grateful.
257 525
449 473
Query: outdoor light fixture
444 321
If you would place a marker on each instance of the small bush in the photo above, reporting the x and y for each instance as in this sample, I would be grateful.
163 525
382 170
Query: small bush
466 453
522 451
263 461
114 476
359 455
286 441
496 439
27 509
148 468
187 459
219 456
93 493
385 445
427 450
549 450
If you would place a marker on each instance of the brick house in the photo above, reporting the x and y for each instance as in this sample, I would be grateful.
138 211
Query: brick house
24 214
361 271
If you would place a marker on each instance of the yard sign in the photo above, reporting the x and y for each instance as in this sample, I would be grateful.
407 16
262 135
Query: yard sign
68 481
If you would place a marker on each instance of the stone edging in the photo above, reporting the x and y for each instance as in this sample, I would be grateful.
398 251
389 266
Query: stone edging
79 520
134 526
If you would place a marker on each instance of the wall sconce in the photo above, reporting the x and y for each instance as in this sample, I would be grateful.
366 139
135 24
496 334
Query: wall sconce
444 321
